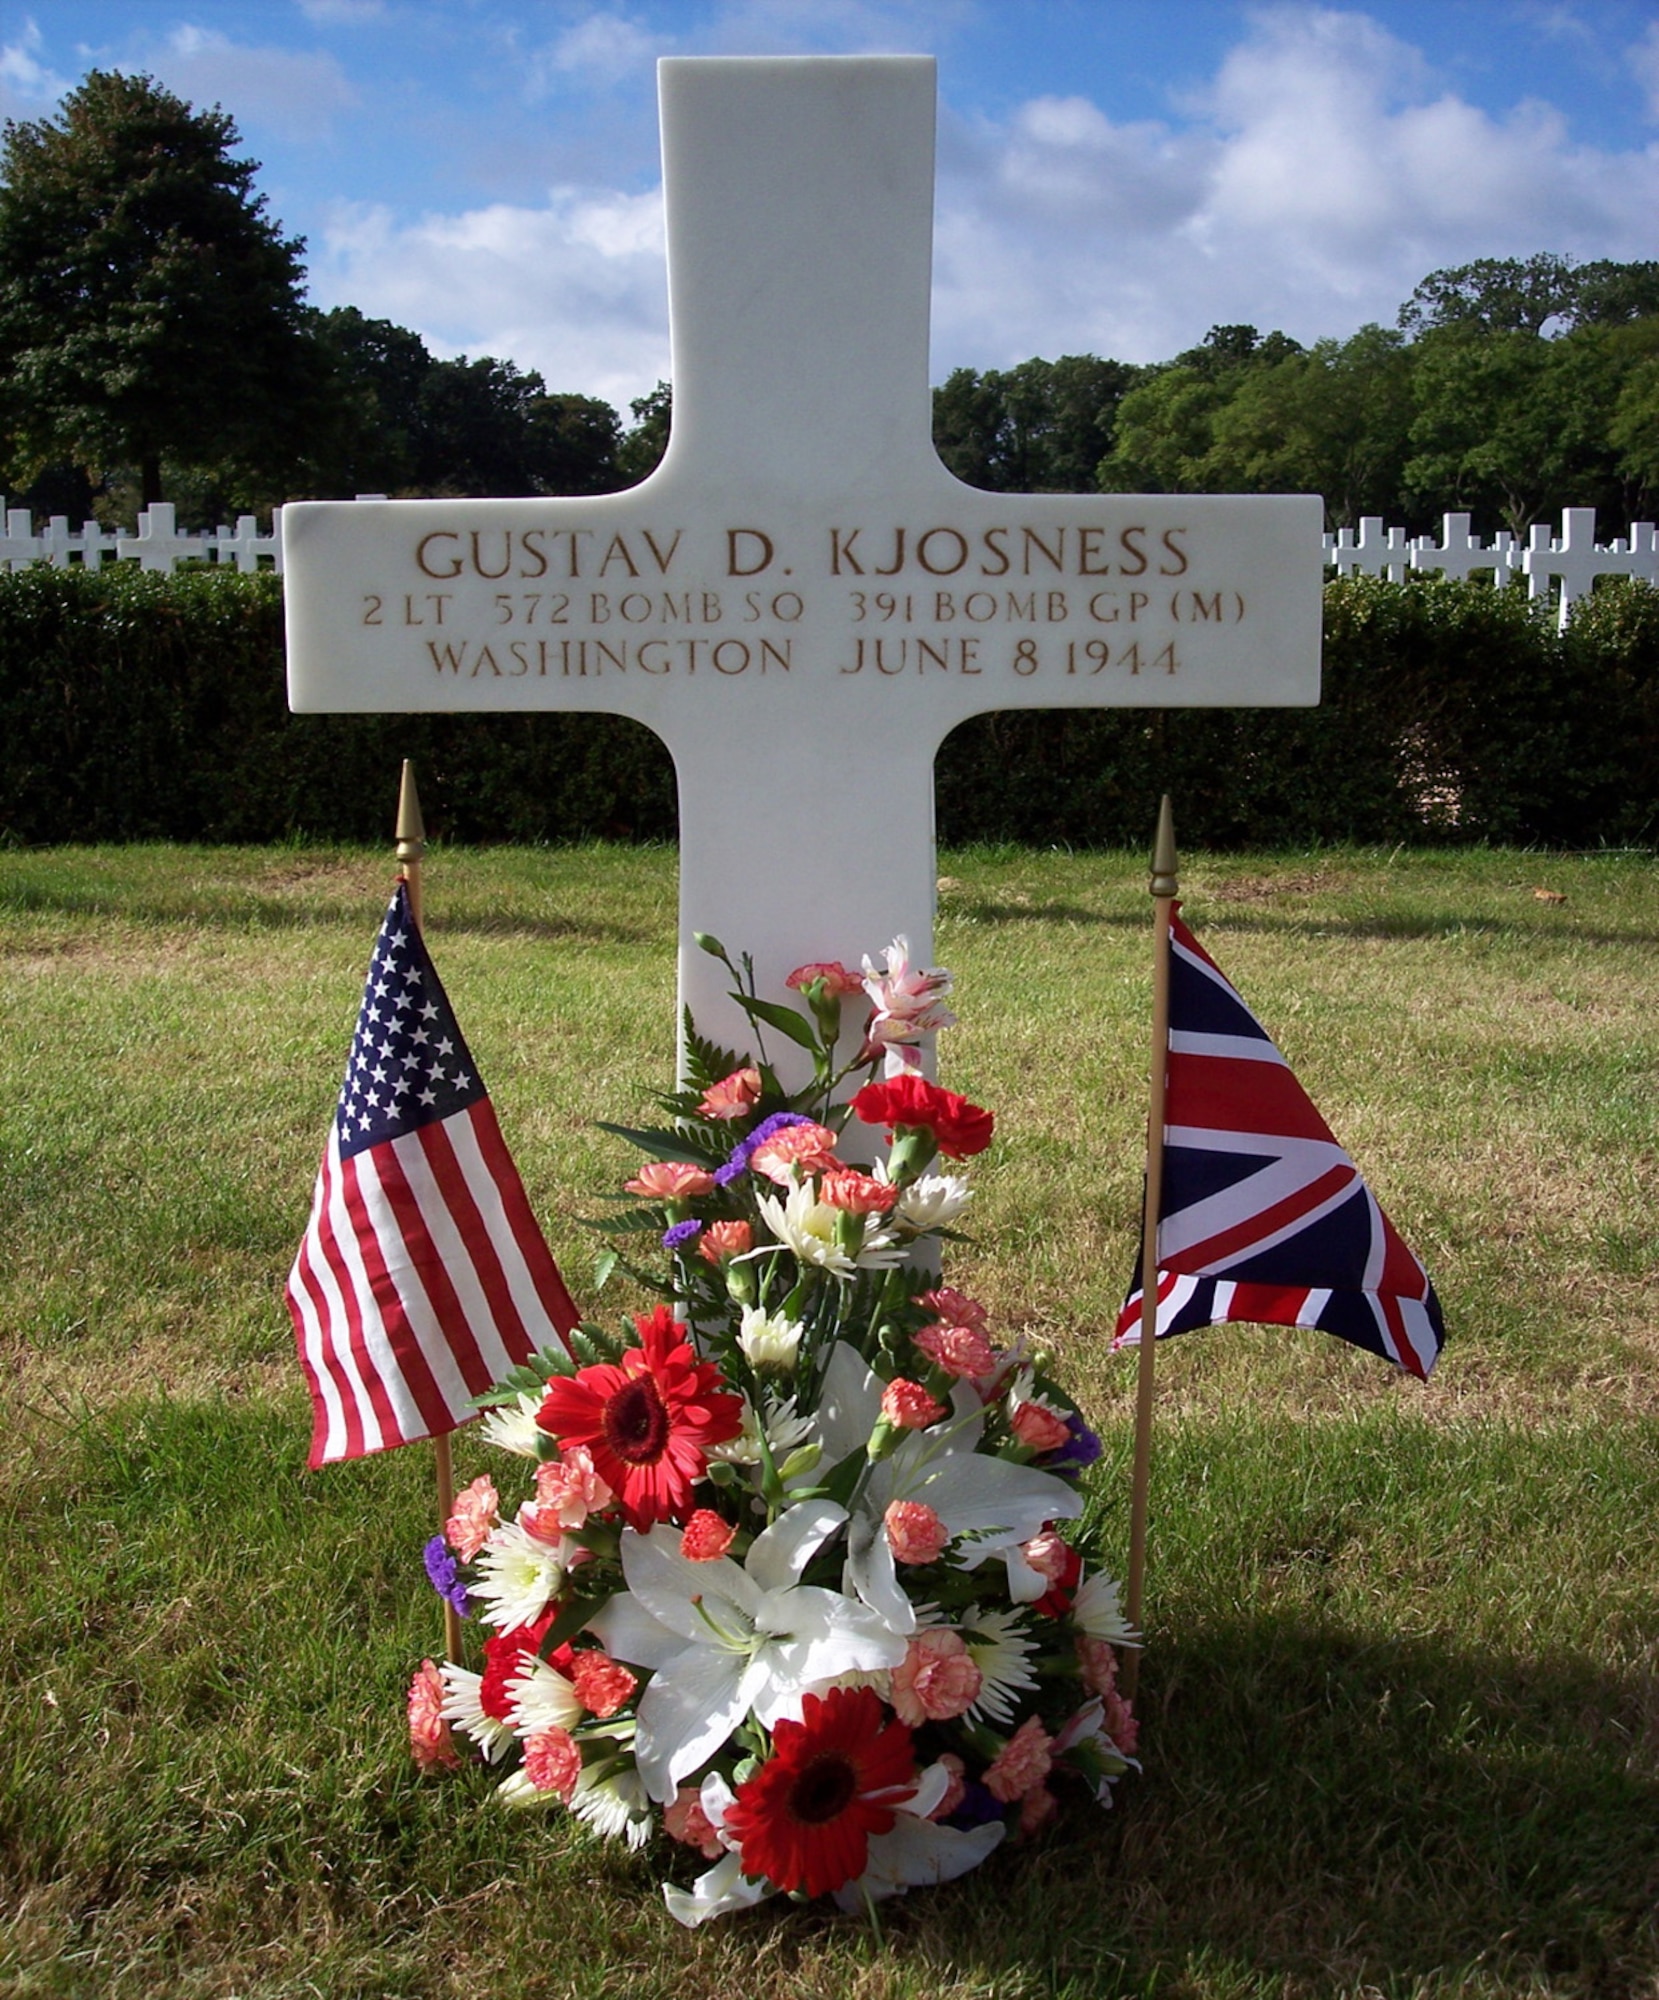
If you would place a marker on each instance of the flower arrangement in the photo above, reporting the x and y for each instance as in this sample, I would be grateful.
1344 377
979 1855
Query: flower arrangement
790 1582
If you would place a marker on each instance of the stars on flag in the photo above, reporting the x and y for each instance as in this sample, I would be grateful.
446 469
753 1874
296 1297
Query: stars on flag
400 1074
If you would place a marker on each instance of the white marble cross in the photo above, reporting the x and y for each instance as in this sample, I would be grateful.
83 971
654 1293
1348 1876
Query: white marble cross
801 600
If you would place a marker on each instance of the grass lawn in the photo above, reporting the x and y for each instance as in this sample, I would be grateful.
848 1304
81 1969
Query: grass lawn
1402 1694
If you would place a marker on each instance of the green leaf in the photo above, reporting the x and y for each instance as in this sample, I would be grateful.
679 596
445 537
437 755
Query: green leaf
784 1019
635 1223
528 1379
604 1268
663 1144
577 1613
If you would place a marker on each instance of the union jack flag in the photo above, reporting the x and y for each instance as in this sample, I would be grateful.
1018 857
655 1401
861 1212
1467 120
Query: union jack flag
1264 1217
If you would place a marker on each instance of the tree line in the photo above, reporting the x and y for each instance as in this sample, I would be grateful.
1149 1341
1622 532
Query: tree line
155 339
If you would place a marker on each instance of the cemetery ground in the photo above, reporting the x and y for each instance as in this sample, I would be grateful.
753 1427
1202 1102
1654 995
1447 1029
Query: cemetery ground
1401 1709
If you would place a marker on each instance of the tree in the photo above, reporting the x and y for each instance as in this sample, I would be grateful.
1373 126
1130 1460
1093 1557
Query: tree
1333 421
148 306
645 442
1494 295
1166 425
1041 427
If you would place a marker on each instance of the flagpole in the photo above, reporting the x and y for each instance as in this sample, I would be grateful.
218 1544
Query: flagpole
411 849
1163 888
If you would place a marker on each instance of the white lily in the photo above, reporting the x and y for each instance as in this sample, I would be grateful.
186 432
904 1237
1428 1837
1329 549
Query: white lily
724 1639
724 1886
917 1851
989 1505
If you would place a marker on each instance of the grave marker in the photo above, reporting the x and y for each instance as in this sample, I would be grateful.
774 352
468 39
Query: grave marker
801 600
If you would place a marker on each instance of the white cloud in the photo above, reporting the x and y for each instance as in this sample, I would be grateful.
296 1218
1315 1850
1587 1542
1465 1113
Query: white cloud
295 93
1644 62
576 290
27 86
1320 174
603 49
1313 183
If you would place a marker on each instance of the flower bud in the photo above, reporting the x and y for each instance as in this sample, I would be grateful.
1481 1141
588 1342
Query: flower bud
801 1461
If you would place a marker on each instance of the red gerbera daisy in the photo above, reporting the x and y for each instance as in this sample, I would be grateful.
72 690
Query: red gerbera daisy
804 1820
648 1421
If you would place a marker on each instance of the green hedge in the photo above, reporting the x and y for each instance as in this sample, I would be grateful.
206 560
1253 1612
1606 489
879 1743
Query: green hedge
138 707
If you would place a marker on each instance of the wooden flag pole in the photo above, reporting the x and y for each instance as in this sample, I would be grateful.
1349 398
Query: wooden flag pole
1163 888
411 848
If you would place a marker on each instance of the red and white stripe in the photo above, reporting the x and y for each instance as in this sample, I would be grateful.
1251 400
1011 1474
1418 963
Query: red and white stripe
422 1278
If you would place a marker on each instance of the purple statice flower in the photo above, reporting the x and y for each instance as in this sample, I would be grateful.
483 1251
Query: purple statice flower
743 1151
1082 1448
682 1232
979 1805
444 1573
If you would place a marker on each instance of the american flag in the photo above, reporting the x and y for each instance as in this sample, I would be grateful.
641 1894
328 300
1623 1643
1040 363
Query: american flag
1264 1217
422 1277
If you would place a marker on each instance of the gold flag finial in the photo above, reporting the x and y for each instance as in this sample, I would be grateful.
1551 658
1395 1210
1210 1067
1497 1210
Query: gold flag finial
411 828
1164 861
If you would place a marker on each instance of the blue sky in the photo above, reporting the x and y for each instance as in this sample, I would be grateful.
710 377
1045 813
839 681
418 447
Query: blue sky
1115 176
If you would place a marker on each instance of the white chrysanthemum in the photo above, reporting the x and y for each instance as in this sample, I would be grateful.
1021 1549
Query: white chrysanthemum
768 1340
614 1804
809 1227
784 1431
933 1202
543 1699
463 1709
516 1790
517 1575
1095 1610
1001 1648
512 1426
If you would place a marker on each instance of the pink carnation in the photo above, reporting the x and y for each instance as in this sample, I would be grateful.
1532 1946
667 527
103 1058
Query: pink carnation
684 1819
1099 1663
472 1521
552 1761
722 1241
915 1531
962 1351
734 1096
1049 1554
430 1743
836 977
809 1149
705 1537
671 1180
957 1790
936 1680
602 1686
908 1407
1037 1808
1120 1723
955 1308
1022 1763
858 1194
1036 1425
569 1489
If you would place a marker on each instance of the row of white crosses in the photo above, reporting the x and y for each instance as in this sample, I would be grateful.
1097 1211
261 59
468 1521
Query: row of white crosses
159 544
1573 562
